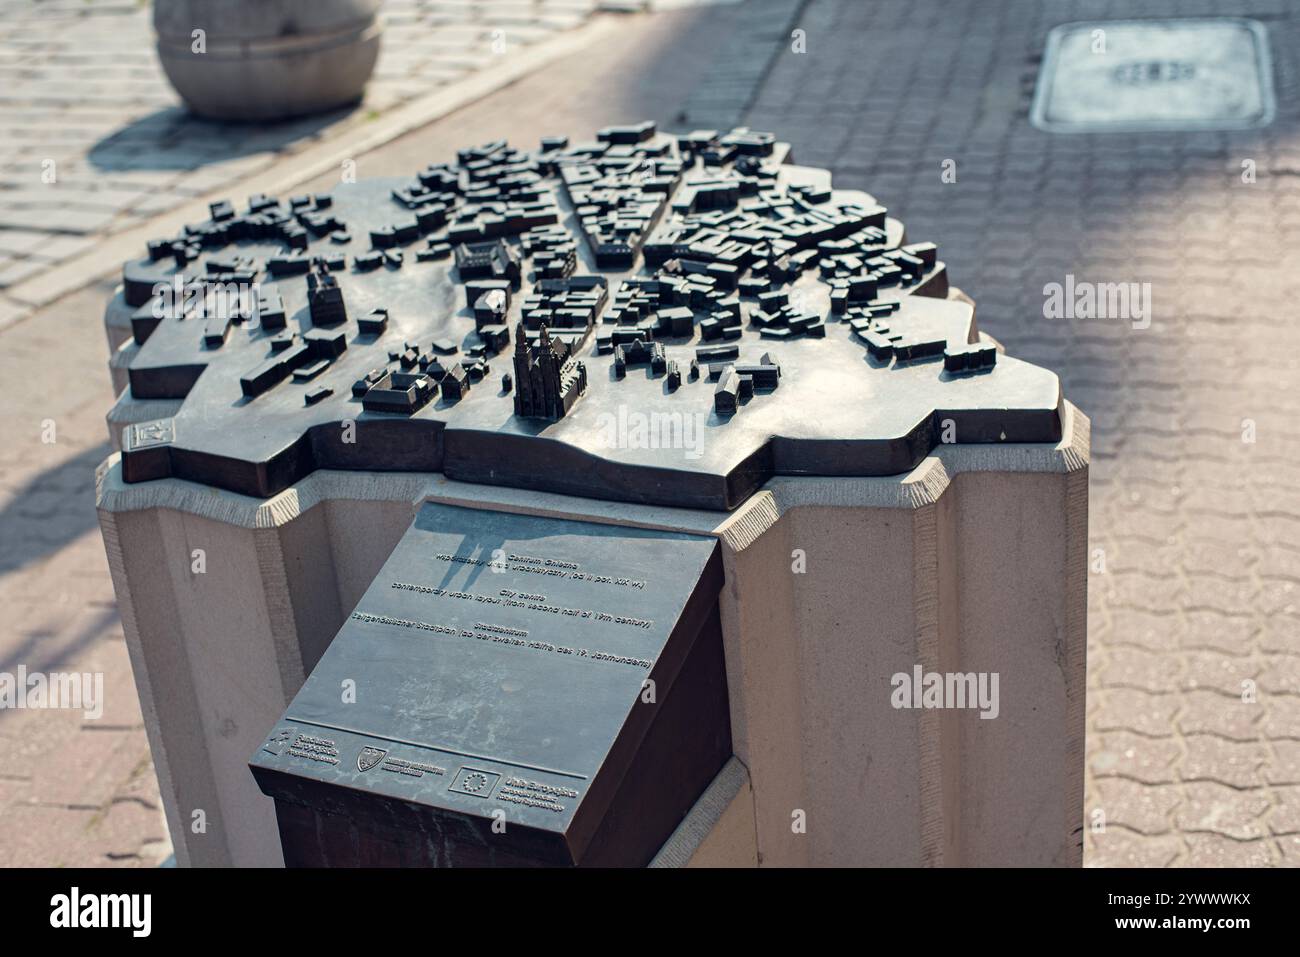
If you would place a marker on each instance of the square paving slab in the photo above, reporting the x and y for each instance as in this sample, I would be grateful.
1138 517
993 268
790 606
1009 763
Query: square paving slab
1150 75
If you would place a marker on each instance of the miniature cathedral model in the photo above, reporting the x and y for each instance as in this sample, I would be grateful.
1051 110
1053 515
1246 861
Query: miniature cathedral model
548 378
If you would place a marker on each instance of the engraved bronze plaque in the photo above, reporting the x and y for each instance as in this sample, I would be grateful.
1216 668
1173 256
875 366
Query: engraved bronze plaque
510 690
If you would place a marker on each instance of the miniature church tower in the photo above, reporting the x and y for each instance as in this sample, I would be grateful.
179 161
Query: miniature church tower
548 380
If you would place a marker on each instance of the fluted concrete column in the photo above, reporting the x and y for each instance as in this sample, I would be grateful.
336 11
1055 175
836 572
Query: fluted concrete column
974 563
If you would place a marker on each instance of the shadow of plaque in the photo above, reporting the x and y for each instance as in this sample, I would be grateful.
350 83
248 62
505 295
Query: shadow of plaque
511 690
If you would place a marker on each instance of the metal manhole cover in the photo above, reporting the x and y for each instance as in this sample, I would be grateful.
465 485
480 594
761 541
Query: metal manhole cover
1141 75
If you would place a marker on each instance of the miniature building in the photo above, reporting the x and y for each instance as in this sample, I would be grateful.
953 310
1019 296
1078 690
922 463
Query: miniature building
727 394
455 384
640 352
325 299
491 260
549 378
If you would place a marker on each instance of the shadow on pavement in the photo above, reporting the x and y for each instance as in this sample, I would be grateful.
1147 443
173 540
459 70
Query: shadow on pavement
175 139
52 510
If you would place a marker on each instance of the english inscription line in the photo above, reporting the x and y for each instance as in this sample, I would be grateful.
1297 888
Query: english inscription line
492 634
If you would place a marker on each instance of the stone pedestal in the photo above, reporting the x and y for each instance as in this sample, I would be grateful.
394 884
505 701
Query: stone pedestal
972 562
684 335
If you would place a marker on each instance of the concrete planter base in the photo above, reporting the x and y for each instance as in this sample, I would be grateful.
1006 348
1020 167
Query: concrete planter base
269 60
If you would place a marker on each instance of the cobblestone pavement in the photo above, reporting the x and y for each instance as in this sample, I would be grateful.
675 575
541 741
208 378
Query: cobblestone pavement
80 792
1194 602
1196 528
80 85
73 792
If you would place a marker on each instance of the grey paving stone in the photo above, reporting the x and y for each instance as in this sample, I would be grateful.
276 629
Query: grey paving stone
886 92
1183 607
